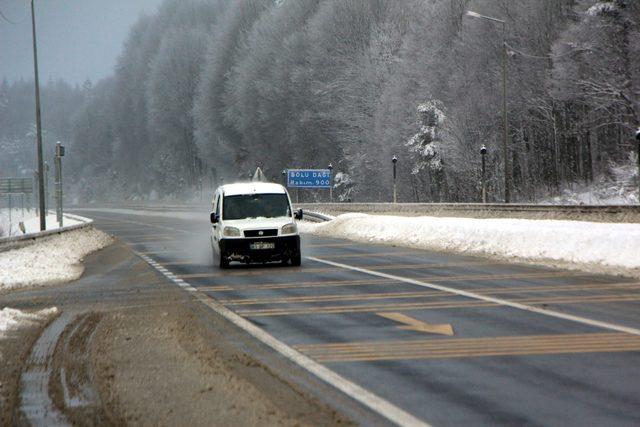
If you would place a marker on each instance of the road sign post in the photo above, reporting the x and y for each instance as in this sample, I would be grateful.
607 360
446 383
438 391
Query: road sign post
330 167
46 189
309 178
58 183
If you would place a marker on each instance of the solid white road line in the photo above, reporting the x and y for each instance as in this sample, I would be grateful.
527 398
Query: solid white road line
377 404
500 301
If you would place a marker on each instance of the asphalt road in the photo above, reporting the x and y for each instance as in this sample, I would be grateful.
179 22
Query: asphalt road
448 338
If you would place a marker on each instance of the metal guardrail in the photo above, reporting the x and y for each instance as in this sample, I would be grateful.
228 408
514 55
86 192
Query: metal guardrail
617 213
601 213
15 242
316 217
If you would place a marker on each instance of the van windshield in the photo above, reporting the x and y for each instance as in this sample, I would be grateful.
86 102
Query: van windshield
256 206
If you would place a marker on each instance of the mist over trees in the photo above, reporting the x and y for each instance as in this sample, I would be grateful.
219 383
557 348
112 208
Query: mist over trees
17 122
205 91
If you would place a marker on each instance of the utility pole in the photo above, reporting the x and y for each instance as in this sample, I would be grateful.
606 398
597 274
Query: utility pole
505 119
505 116
41 193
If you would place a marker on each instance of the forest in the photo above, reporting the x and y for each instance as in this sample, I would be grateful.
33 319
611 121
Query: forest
207 90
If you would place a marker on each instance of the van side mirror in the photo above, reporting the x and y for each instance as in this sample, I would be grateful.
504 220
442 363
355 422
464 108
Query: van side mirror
214 218
298 214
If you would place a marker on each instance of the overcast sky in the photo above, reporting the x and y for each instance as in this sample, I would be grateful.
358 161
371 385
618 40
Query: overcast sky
77 39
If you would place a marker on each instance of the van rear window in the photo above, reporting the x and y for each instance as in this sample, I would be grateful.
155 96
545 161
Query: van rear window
255 206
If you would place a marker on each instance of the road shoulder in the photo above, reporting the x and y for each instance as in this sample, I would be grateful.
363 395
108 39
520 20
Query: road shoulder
156 356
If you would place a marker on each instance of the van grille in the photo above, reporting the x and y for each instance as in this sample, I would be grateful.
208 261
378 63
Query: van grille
265 233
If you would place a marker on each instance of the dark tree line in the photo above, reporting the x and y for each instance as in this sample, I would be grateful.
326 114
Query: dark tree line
208 90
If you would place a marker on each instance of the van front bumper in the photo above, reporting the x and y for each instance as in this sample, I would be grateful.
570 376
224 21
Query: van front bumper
240 249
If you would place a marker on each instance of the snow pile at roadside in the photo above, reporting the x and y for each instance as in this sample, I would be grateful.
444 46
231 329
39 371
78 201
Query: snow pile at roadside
10 227
32 225
55 259
11 319
31 222
572 242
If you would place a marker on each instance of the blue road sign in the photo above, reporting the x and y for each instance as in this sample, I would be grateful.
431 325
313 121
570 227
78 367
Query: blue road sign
309 178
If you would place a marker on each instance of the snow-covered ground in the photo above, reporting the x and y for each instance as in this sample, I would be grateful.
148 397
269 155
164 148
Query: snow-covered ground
53 260
12 319
585 245
617 188
9 226
9 223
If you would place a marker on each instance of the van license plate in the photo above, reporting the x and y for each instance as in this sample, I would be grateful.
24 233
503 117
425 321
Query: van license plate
262 245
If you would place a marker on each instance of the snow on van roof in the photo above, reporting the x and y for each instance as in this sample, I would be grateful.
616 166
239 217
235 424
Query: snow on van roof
252 188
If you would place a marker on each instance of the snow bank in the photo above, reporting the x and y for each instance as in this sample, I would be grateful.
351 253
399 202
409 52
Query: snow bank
10 227
32 225
54 259
11 319
31 222
571 242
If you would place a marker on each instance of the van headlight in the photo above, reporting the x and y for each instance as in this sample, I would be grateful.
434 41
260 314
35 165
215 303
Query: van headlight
231 232
290 228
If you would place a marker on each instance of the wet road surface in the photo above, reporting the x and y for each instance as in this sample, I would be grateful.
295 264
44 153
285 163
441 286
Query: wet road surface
448 338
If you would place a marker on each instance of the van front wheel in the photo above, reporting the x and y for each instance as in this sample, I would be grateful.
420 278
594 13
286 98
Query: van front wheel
296 259
224 261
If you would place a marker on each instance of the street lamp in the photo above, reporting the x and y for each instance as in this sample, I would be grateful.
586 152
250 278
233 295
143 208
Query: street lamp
638 141
284 177
394 160
483 153
505 123
330 167
41 189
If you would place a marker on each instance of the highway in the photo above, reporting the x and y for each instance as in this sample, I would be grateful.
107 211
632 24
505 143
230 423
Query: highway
444 339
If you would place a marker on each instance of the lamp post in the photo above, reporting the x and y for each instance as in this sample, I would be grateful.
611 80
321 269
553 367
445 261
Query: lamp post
638 141
505 121
483 153
284 177
394 160
330 167
41 184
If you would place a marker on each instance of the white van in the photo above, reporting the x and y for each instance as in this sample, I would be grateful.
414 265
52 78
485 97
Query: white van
254 222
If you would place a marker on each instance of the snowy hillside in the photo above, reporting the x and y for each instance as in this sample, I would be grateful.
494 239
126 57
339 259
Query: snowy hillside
617 188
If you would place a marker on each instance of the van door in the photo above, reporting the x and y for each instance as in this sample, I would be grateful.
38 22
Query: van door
217 228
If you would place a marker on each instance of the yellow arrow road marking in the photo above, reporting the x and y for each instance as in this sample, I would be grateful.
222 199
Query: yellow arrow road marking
412 324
